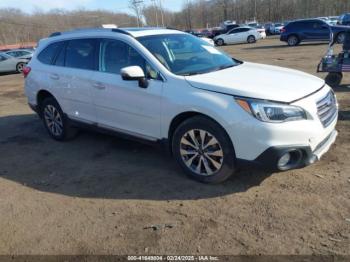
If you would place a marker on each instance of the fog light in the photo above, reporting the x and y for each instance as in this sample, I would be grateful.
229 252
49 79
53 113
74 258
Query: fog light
284 160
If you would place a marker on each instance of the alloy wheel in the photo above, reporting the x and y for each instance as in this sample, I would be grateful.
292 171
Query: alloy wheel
251 39
20 67
341 38
53 120
201 152
292 40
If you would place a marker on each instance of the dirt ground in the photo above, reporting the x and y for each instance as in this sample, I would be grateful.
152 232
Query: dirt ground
104 195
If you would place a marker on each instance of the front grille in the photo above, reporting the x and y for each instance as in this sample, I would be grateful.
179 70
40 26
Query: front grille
327 109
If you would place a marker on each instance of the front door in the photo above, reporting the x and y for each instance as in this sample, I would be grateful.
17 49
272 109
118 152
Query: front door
123 105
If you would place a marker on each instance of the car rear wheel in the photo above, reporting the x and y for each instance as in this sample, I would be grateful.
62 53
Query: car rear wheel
340 38
251 39
293 40
203 150
334 79
19 67
220 42
55 122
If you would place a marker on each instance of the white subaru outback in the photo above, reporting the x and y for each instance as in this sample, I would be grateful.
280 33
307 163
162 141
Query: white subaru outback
212 111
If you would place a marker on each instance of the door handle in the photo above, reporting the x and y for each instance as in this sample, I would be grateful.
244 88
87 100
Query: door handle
99 86
54 77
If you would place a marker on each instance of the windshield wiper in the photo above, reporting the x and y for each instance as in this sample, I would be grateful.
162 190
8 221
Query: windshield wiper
209 71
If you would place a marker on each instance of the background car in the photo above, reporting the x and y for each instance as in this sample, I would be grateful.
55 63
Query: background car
21 53
278 28
311 30
344 19
333 20
202 36
11 64
268 28
222 30
238 35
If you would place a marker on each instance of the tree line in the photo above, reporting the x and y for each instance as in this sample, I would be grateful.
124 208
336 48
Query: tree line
210 13
17 26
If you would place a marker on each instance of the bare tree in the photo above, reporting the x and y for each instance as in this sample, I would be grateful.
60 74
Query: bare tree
135 5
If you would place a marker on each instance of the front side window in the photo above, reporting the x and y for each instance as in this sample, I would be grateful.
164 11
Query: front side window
80 54
115 55
183 54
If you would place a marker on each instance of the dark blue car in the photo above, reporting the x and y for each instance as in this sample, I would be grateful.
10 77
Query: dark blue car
309 30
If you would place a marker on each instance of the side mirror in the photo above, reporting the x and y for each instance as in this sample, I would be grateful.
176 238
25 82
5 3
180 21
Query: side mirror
134 73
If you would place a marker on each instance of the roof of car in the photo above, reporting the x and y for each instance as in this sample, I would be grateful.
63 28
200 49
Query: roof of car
132 31
15 50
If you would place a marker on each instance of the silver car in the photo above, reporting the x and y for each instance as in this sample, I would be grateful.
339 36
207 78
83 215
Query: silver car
11 64
20 53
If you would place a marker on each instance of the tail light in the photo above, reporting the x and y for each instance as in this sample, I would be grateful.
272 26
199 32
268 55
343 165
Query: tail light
283 30
26 71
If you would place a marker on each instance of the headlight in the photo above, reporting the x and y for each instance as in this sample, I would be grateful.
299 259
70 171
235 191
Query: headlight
271 112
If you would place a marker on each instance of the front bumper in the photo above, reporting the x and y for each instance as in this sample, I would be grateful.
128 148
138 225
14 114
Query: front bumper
301 155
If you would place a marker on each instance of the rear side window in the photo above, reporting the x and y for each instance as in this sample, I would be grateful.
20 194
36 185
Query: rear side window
47 56
80 54
60 58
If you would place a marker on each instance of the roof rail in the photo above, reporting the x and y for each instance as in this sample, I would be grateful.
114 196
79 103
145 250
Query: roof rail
55 34
121 31
172 28
116 30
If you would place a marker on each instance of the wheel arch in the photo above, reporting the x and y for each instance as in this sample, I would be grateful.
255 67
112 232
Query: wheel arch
181 117
41 96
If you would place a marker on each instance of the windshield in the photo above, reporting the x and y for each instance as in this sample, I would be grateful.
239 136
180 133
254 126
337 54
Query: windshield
184 54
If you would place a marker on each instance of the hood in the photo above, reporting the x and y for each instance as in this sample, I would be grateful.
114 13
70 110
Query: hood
336 28
259 81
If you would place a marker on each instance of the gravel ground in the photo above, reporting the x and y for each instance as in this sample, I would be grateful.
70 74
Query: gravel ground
100 194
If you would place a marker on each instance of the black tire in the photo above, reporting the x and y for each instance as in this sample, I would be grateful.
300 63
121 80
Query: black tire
293 40
20 66
220 42
251 39
67 131
212 130
334 79
340 38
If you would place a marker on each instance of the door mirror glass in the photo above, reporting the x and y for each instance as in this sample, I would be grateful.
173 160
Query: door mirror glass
134 73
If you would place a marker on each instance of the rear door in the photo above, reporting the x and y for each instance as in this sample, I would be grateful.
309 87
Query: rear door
73 76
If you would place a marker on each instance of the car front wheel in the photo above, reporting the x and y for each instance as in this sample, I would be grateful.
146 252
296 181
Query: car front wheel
55 121
220 42
340 38
204 150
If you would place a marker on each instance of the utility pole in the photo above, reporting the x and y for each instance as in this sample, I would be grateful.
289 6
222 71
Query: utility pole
135 5
255 14
155 10
161 12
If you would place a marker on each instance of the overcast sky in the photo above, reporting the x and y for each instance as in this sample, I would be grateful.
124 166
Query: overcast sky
111 5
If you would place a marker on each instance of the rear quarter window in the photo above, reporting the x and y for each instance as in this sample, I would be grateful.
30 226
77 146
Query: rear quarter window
47 56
